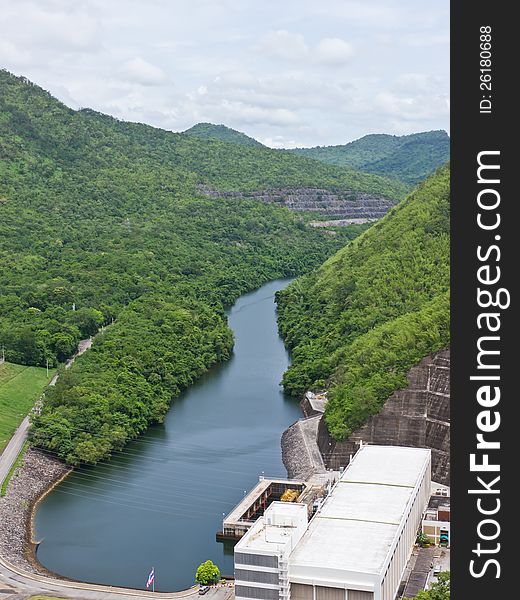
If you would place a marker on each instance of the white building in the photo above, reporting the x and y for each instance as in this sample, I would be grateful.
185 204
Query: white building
436 520
261 556
358 544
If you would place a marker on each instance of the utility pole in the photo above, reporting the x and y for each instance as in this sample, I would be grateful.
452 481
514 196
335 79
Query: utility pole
47 365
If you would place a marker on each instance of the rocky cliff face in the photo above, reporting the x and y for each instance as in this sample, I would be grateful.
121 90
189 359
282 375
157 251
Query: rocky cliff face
347 204
418 415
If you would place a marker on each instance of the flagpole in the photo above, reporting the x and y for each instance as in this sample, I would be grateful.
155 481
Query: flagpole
153 582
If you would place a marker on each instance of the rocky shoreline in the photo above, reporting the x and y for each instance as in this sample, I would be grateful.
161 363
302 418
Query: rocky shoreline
37 474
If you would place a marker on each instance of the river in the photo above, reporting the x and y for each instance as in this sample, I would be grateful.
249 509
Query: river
160 502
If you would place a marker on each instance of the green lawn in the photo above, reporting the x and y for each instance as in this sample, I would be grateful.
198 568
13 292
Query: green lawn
20 387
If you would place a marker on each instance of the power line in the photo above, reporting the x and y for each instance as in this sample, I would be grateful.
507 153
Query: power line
134 472
173 488
138 502
189 516
155 492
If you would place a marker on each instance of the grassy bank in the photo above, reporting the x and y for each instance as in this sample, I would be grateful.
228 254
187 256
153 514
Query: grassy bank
20 387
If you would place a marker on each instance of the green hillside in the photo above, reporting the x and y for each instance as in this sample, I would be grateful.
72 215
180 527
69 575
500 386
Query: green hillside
221 133
408 158
101 221
373 310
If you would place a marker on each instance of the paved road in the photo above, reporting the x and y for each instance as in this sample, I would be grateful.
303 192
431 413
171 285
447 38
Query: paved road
11 451
13 448
27 583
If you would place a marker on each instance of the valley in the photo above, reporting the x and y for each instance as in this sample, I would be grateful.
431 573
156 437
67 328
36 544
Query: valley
175 247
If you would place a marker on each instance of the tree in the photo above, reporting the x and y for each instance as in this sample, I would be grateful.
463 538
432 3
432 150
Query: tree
424 540
88 320
64 345
207 573
440 590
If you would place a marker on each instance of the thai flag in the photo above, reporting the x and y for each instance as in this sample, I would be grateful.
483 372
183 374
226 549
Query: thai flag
151 578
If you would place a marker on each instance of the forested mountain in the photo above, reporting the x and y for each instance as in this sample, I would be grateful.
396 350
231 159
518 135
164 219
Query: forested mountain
373 310
221 133
408 158
101 220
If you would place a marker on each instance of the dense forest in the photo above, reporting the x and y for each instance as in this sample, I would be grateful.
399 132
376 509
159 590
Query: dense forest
373 310
101 225
408 158
221 133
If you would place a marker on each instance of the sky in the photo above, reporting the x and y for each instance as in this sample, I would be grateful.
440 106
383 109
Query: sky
289 73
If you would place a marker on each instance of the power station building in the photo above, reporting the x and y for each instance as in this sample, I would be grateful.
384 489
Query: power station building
356 546
261 556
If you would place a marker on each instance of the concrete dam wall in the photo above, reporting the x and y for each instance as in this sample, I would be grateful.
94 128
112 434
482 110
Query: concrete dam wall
417 415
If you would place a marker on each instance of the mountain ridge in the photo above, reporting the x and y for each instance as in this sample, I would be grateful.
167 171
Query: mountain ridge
409 158
221 133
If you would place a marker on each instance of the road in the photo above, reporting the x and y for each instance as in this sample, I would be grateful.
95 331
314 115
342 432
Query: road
13 448
25 584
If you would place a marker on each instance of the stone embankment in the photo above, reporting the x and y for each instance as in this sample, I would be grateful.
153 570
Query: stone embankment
300 453
36 474
351 205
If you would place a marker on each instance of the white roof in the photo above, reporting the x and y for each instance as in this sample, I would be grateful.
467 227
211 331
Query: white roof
367 502
343 545
361 517
391 465
287 520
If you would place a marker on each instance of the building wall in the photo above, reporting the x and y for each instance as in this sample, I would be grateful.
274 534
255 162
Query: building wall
328 593
257 560
403 549
256 592
256 576
358 595
261 555
433 529
301 591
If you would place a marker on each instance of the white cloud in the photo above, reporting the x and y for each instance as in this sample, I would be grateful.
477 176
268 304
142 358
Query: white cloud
51 26
284 45
141 71
333 51
412 108
250 114
13 54
284 72
278 141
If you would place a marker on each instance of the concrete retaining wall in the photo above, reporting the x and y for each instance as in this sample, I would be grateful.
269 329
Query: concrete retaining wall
418 415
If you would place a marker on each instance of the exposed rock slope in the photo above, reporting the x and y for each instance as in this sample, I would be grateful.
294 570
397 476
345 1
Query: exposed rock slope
349 205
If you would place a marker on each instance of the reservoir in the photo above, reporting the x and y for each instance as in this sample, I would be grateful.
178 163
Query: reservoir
160 502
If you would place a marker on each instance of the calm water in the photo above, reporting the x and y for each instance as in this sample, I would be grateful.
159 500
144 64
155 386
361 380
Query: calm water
161 501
